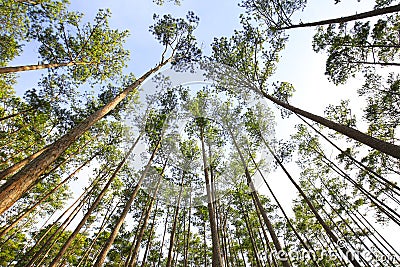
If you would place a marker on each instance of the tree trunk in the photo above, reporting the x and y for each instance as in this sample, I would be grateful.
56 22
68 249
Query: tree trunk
384 147
103 254
216 259
285 215
67 243
28 211
185 261
173 230
163 238
61 228
384 181
149 242
257 202
39 67
363 15
248 228
17 166
331 235
101 229
138 240
15 187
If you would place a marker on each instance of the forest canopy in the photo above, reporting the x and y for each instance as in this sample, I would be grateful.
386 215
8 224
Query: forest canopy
130 139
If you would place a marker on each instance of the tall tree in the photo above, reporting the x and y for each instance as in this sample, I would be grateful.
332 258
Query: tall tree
175 33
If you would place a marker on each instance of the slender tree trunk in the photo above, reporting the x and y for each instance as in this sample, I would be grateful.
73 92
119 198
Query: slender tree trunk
16 186
103 254
185 261
138 240
39 67
257 202
241 249
382 146
163 238
284 213
16 114
102 227
173 230
363 15
216 259
267 249
253 242
67 243
384 181
331 235
142 215
149 241
48 244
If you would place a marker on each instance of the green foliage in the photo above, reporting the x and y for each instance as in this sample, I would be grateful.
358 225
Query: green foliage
350 49
95 50
177 34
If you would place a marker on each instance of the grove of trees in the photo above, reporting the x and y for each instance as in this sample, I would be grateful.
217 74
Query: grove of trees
101 167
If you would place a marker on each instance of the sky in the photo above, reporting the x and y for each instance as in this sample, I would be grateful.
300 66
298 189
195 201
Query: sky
298 64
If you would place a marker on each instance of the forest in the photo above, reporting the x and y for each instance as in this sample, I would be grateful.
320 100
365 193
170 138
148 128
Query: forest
206 158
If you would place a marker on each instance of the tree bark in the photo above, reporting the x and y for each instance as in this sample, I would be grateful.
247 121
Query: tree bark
17 166
382 146
16 186
39 67
216 259
28 211
363 15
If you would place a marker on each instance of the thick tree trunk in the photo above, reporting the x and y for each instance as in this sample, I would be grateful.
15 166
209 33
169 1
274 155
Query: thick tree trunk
103 254
16 186
216 259
29 210
17 166
363 15
39 67
67 243
384 147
